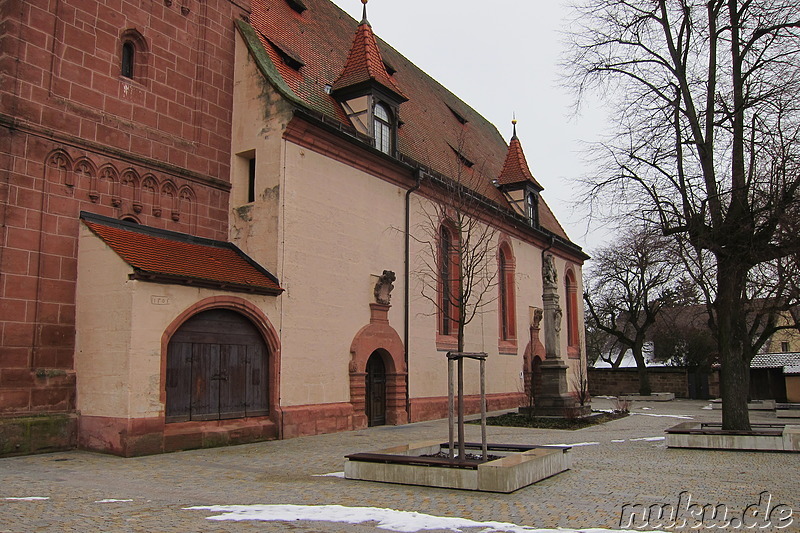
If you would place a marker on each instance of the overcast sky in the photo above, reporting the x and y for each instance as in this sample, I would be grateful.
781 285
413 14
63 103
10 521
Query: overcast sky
502 58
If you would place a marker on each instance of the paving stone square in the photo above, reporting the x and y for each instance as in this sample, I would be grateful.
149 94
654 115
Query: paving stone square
614 464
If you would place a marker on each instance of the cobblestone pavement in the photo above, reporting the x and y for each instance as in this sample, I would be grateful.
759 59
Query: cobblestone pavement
610 468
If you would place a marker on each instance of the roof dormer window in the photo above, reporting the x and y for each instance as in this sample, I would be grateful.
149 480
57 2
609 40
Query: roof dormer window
460 118
462 158
287 56
297 5
382 128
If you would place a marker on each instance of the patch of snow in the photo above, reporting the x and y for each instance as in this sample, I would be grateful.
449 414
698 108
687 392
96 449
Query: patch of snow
649 439
332 474
668 416
388 519
28 498
576 444
709 406
111 500
618 440
602 410
645 408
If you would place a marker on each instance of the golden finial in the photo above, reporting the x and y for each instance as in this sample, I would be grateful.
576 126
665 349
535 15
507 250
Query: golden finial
514 123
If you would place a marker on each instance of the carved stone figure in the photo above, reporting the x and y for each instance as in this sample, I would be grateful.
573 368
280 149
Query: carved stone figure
538 314
557 315
549 272
383 289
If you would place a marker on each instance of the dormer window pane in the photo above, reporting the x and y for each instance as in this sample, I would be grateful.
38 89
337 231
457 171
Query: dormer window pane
382 129
533 209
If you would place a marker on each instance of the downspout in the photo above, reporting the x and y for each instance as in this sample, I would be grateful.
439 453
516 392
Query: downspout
407 290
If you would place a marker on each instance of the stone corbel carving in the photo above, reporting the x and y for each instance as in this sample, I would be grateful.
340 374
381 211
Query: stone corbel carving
383 289
538 315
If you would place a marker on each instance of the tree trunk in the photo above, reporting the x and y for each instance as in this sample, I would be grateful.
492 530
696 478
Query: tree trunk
641 366
731 339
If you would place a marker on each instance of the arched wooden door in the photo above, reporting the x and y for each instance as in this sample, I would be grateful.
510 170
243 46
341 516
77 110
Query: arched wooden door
376 390
216 369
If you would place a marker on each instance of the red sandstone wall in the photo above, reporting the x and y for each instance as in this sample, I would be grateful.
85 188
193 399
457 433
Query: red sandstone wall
76 135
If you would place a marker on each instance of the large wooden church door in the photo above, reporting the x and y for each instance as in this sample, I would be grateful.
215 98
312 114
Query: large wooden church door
376 390
216 369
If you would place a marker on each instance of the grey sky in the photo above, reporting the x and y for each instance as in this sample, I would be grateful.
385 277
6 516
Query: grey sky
501 57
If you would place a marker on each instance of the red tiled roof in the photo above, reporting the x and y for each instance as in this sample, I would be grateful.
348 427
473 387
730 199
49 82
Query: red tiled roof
365 64
166 256
433 119
515 169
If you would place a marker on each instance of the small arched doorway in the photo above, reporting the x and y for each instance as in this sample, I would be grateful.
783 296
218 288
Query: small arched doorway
376 390
217 368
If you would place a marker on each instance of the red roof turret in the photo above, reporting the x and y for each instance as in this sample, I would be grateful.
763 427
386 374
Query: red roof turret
364 63
515 169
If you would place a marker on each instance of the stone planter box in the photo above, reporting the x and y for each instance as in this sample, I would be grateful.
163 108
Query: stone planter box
755 405
518 466
763 437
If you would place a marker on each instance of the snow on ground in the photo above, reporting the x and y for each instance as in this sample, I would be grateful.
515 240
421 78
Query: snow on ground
576 444
388 519
649 439
686 417
28 498
708 407
332 474
111 500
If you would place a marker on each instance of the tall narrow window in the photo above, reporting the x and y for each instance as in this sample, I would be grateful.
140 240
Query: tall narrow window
503 289
133 57
448 284
128 59
251 180
572 313
506 299
445 246
382 127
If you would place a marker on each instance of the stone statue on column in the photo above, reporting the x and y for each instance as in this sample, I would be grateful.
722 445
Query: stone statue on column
554 399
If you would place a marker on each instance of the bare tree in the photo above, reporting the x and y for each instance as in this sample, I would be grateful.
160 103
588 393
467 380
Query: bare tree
457 270
626 285
707 141
458 267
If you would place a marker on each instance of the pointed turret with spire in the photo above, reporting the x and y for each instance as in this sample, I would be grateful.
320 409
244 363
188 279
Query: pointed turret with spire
517 183
366 90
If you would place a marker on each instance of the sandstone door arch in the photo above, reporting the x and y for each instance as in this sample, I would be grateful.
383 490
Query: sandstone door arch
217 368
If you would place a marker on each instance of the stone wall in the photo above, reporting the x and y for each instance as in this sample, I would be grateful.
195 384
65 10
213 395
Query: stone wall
620 381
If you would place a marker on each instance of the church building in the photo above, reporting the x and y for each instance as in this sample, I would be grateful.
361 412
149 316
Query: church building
230 221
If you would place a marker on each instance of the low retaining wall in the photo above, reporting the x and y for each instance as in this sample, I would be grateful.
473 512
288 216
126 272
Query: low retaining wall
625 381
